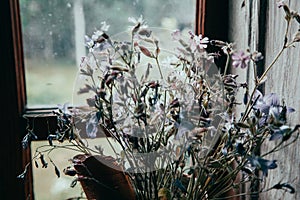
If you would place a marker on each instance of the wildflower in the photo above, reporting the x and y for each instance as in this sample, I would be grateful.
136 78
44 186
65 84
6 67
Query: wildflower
240 59
93 42
97 34
198 41
257 56
176 35
104 26
280 3
139 23
89 42
284 132
272 111
263 164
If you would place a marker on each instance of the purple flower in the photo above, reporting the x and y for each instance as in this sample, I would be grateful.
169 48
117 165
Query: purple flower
240 59
262 164
270 107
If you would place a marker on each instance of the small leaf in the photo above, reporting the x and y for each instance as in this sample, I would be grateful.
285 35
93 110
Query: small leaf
287 12
145 32
57 172
73 183
297 36
146 52
246 97
242 125
281 186
297 17
122 69
70 172
36 164
44 163
215 164
22 176
243 4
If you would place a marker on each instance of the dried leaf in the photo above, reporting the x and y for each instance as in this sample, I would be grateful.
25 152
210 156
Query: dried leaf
282 186
287 12
70 172
36 164
242 125
145 32
215 164
73 183
57 172
122 69
243 4
44 163
157 51
297 36
146 52
297 17
85 89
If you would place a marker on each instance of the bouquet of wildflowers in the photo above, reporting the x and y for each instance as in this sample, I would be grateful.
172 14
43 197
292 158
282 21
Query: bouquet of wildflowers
173 114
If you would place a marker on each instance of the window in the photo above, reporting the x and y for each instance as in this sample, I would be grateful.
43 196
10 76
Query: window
15 69
14 90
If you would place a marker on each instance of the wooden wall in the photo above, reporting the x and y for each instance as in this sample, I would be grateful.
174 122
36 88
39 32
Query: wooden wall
260 25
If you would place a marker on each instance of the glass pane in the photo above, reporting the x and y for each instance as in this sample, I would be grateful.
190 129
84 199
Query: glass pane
46 184
53 36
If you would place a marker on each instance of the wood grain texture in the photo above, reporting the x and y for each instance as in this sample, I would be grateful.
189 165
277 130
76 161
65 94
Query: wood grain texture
284 79
260 25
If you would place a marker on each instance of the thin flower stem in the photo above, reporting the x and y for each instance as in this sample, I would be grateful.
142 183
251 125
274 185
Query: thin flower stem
271 65
276 148
260 80
227 63
248 106
159 68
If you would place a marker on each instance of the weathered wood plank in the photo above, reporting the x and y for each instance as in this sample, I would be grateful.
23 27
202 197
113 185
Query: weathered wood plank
284 79
248 30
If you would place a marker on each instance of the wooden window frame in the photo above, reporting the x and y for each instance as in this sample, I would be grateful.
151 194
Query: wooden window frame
207 23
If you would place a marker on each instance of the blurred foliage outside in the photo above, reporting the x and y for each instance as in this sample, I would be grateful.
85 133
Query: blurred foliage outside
53 31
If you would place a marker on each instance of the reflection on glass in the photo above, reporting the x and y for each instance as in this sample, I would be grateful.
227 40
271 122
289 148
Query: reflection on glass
53 37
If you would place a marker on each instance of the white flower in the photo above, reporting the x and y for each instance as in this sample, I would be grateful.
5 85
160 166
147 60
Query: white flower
198 41
97 34
176 35
139 23
104 26
89 42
